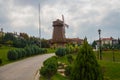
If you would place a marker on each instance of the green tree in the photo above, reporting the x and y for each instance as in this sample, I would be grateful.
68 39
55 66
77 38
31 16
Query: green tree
9 42
86 66
94 44
9 36
44 43
24 35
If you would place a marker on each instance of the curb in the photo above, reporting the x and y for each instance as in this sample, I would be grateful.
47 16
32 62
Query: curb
37 75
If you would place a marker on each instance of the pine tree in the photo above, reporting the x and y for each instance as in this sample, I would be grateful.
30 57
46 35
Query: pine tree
86 66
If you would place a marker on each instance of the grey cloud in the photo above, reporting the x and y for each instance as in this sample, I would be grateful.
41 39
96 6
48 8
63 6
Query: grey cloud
82 16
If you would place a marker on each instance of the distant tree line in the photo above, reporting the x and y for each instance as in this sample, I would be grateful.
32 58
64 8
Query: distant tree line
22 40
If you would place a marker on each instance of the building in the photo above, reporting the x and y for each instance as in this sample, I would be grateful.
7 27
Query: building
107 41
75 41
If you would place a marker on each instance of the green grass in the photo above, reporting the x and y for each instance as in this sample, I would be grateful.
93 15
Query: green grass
64 59
3 54
50 50
108 55
57 76
111 69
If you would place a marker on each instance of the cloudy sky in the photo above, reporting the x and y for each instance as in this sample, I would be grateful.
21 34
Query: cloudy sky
84 17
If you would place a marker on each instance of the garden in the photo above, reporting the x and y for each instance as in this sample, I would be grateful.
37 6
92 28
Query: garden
83 65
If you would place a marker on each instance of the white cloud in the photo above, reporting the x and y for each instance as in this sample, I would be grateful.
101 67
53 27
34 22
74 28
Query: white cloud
82 16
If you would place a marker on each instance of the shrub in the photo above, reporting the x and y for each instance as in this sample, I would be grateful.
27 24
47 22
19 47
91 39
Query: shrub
51 60
0 61
69 58
36 50
86 66
49 68
19 52
60 52
68 71
12 55
25 52
68 51
28 51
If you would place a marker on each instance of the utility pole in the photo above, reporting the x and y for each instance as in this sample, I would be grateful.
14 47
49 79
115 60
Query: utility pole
39 26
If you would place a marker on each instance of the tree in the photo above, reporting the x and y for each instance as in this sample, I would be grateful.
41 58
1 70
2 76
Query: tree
24 35
9 36
9 42
118 41
44 43
86 66
94 44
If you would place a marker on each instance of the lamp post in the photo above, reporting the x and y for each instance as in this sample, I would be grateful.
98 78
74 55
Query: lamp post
99 32
113 54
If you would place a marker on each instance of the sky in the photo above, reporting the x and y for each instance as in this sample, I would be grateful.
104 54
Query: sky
84 17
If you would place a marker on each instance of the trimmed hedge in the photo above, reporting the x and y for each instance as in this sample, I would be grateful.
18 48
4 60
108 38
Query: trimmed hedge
49 68
12 55
24 52
60 52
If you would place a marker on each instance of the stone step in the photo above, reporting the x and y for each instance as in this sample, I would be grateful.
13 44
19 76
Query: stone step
61 70
60 67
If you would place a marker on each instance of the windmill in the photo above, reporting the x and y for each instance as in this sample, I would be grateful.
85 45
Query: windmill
58 36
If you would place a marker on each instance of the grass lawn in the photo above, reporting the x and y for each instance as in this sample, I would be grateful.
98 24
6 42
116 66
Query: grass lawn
111 69
108 55
57 76
3 54
50 50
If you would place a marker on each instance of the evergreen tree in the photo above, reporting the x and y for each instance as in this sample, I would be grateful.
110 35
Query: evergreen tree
94 44
86 66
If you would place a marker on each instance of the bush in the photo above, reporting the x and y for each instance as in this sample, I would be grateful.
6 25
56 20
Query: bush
28 51
68 71
49 68
68 51
25 52
52 60
0 61
12 55
69 58
19 52
60 52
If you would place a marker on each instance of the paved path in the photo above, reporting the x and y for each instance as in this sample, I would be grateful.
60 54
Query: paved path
23 70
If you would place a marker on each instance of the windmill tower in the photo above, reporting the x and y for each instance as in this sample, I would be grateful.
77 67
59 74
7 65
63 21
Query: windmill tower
58 36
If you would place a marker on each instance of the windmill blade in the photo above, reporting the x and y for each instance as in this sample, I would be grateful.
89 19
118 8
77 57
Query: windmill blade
66 25
63 18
